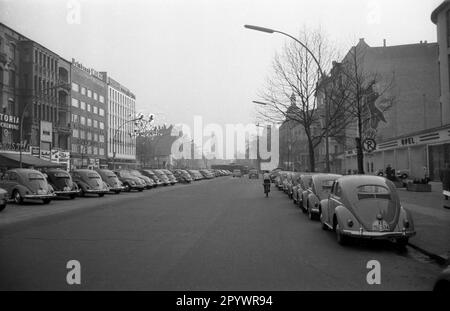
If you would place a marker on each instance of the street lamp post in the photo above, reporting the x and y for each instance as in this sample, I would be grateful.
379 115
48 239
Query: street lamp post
64 85
322 74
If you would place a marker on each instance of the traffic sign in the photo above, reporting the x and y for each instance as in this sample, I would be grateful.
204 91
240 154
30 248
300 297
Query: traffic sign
369 144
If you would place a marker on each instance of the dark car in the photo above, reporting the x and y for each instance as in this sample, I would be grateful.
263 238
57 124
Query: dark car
62 183
153 176
111 179
253 174
365 206
21 184
149 183
129 181
89 182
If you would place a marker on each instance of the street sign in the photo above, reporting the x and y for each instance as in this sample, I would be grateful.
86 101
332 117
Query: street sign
369 144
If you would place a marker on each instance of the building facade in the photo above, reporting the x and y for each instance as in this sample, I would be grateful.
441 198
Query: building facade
121 139
34 88
88 117
408 127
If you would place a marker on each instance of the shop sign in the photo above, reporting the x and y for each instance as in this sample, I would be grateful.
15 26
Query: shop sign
46 131
9 122
35 151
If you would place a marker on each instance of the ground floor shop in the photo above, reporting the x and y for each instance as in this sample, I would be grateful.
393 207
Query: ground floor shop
417 154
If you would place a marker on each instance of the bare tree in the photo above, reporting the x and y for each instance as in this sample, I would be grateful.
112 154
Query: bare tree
290 93
367 95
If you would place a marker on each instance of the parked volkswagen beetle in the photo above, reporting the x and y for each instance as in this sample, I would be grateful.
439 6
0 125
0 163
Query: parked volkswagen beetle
22 184
89 182
111 179
62 183
319 190
365 206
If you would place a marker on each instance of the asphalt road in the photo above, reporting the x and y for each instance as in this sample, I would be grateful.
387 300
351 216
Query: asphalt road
211 235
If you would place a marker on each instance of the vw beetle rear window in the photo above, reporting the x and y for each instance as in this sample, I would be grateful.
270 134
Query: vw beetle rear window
373 192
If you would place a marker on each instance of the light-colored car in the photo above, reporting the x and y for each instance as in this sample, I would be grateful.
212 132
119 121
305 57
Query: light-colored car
237 173
319 190
21 184
3 199
299 190
365 206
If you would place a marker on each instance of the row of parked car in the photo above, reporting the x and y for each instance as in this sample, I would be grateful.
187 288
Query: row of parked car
353 206
22 184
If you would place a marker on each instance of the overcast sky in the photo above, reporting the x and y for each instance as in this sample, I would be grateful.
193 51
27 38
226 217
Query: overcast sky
186 58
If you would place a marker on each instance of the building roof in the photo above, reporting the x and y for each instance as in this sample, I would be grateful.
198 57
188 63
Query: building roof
437 10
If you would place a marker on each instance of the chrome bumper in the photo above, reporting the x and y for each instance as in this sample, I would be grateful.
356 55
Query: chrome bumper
39 196
379 235
96 191
69 192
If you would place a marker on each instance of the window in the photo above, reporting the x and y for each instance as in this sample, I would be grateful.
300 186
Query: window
337 190
373 192
12 48
75 133
95 96
89 136
95 150
102 125
75 118
75 102
102 99
95 123
95 109
12 78
89 93
95 137
101 138
83 90
83 120
83 105
75 87
89 122
102 112
75 148
448 28
101 151
82 134
88 107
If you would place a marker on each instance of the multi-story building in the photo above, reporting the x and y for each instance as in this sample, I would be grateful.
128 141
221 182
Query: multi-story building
406 118
34 85
121 109
88 117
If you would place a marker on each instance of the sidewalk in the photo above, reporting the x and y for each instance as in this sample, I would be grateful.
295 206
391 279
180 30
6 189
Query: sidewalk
431 220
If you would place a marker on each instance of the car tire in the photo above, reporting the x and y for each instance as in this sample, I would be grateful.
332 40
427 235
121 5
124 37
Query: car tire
323 225
72 196
117 191
2 207
17 197
310 214
341 238
46 201
101 195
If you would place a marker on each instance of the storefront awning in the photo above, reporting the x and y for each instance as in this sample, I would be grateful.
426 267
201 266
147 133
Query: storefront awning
12 160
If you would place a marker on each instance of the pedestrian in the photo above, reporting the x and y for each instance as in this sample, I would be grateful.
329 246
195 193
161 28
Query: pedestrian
266 182
445 178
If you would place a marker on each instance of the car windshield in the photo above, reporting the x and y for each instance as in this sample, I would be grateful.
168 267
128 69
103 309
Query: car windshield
327 184
373 192
111 175
37 180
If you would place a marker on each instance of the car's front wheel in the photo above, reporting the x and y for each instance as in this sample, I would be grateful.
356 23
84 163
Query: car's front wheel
17 197
341 238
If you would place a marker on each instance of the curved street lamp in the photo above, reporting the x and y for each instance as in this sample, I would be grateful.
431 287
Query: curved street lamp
322 74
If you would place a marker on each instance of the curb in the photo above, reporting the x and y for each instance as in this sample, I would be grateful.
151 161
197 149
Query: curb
437 258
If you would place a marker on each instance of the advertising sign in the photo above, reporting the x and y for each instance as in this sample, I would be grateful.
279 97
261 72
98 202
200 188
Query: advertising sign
35 151
9 122
64 156
55 155
45 155
46 131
